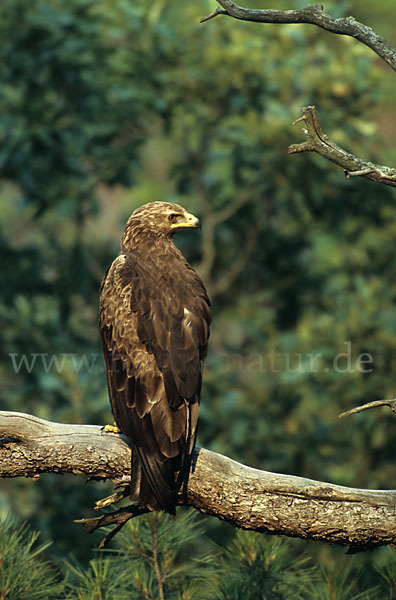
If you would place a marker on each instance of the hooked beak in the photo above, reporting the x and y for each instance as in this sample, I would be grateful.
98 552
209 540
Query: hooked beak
190 221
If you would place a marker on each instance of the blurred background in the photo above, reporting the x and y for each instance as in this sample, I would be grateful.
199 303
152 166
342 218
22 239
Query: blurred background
107 105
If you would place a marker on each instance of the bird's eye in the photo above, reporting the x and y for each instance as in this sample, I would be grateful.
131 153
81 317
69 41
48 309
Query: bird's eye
173 218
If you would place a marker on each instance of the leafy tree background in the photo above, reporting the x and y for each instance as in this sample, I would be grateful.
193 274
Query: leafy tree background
107 105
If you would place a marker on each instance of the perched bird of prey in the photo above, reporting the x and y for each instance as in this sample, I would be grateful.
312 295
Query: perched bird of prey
154 326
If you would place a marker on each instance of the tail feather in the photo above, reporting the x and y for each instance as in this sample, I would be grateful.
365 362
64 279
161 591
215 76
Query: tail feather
153 482
181 478
156 482
186 456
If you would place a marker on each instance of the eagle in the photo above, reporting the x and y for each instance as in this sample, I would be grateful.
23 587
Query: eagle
154 327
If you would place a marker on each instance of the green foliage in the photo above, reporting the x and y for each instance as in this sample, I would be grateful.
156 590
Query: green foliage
155 557
162 553
387 570
98 580
163 557
107 105
340 583
24 575
62 138
255 566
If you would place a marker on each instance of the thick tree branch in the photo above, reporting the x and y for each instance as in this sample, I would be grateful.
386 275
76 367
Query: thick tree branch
319 142
219 486
313 15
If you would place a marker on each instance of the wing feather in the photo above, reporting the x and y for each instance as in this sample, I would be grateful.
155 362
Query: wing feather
154 344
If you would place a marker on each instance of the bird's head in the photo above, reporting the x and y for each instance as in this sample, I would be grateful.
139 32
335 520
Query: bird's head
161 219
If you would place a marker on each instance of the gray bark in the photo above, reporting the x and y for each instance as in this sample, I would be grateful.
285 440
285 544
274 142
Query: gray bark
218 486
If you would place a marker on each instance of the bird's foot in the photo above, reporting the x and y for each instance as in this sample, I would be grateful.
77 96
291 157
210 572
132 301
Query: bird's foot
111 428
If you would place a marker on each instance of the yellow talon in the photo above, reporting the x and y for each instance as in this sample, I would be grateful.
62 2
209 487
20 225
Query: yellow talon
112 428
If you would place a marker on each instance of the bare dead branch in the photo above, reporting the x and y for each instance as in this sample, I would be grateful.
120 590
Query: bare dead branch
313 15
245 497
213 14
319 142
229 210
212 220
368 405
208 248
118 518
239 263
118 495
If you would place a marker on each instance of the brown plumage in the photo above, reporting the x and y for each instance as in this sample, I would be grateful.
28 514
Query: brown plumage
154 325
